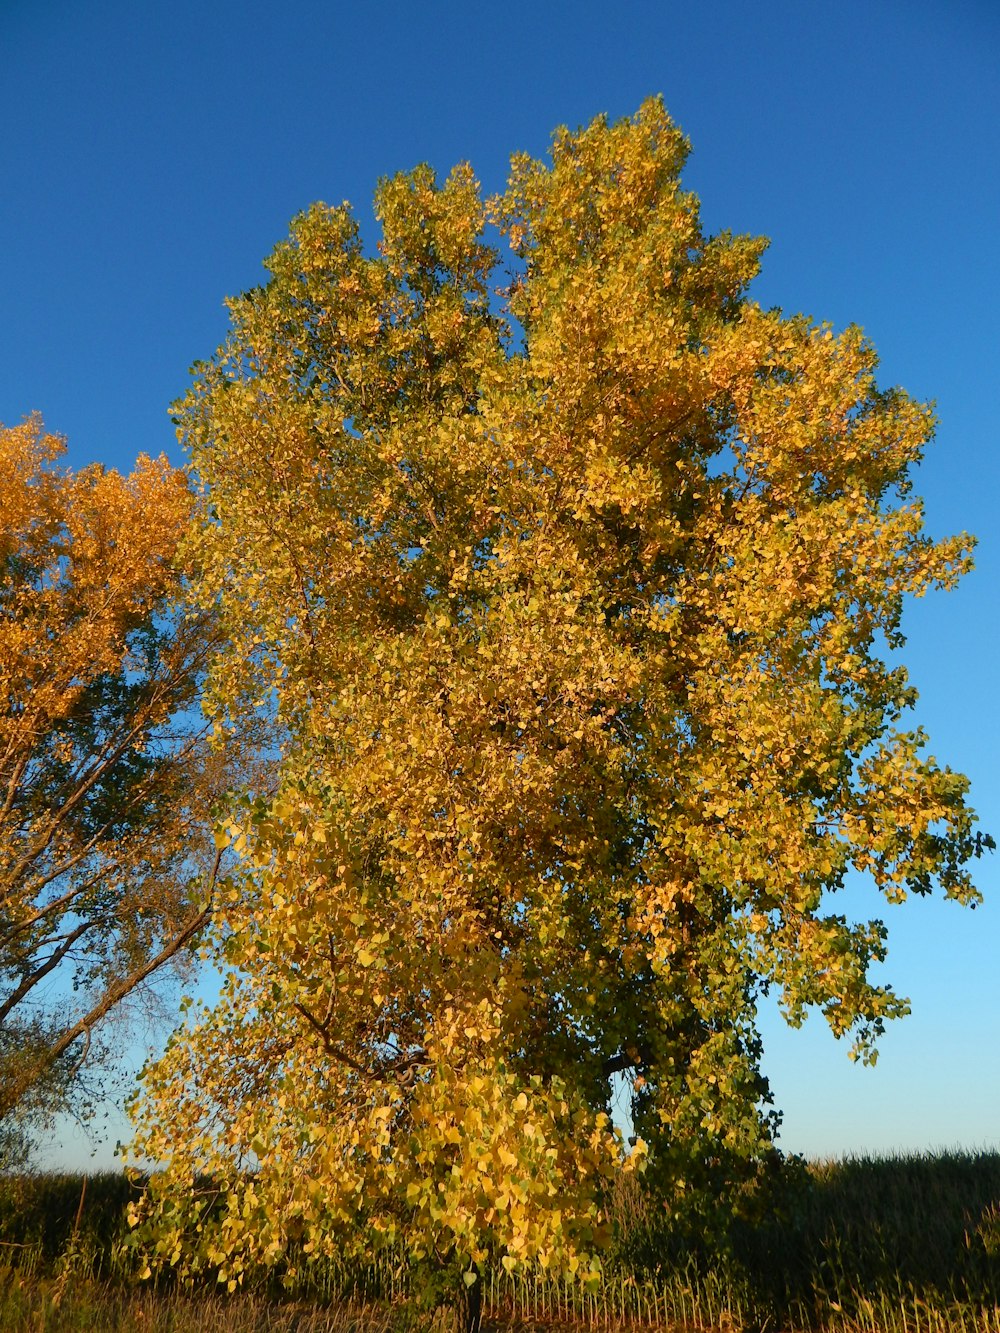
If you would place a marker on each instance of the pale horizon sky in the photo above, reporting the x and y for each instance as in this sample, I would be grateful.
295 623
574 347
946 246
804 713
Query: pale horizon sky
153 154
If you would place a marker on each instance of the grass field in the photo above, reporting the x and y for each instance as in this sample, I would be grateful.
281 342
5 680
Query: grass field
905 1245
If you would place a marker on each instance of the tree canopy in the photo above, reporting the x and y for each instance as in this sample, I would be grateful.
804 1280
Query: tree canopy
106 781
573 578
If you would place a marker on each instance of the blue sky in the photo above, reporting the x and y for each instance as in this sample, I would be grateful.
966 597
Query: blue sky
153 153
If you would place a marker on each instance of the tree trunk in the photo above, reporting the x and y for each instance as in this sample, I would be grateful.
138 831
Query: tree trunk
470 1304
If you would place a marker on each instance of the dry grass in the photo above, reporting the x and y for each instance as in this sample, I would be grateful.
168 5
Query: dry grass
907 1245
33 1305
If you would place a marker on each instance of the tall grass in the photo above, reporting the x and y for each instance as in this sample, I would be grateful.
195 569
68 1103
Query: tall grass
898 1245
33 1306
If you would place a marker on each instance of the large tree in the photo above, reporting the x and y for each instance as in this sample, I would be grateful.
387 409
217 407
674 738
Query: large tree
106 779
574 595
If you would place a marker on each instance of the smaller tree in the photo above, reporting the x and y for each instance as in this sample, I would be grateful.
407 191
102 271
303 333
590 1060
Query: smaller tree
107 781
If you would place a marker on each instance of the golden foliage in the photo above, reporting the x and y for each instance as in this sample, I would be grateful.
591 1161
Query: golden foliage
104 789
572 607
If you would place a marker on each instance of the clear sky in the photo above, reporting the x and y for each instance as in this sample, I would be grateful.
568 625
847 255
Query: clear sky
152 153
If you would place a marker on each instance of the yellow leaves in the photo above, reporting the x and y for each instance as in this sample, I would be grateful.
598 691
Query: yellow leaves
577 650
